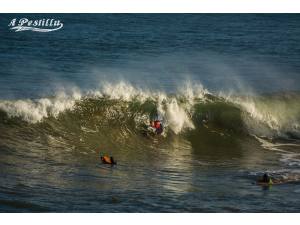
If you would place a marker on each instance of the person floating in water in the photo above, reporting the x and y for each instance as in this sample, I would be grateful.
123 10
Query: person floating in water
265 179
156 126
108 160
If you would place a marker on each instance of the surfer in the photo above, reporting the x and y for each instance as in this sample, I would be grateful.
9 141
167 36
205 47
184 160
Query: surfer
156 126
108 160
265 180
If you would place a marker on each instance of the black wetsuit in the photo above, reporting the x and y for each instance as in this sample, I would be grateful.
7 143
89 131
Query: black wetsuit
160 129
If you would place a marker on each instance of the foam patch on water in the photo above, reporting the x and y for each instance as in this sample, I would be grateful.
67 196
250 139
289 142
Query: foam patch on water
291 159
287 157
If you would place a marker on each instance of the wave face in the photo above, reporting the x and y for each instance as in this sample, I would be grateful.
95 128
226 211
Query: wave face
203 131
122 106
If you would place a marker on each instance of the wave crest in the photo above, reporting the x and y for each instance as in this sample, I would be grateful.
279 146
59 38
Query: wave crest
191 108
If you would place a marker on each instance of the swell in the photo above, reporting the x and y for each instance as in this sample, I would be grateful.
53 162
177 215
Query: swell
124 111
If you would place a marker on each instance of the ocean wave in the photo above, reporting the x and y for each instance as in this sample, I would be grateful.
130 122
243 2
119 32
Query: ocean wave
34 111
192 107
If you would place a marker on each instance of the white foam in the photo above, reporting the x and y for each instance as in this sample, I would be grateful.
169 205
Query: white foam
193 91
35 110
172 113
175 116
257 113
123 91
175 112
268 116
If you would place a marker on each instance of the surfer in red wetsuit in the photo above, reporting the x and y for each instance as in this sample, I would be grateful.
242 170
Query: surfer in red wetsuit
155 127
158 126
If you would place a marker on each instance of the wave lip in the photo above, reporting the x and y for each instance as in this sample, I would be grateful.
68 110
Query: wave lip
34 111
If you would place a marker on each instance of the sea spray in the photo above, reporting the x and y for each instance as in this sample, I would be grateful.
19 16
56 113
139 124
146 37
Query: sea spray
34 111
271 115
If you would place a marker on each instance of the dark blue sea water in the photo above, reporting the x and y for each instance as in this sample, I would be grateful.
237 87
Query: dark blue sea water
225 85
261 50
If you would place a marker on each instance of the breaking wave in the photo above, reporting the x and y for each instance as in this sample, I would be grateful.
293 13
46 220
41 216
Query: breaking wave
192 107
